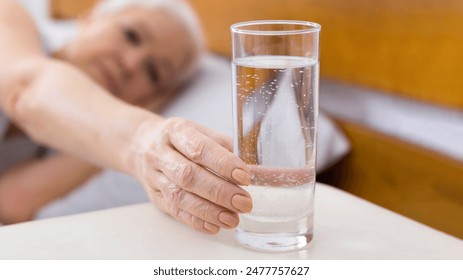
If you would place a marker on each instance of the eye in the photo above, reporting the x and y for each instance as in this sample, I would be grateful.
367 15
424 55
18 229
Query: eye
132 36
152 72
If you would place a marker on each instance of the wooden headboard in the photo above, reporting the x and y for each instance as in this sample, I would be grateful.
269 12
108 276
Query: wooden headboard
412 48
409 48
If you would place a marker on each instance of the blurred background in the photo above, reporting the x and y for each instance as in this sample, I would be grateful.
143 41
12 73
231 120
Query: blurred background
392 81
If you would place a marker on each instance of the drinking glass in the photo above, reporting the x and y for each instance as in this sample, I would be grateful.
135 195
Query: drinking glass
275 109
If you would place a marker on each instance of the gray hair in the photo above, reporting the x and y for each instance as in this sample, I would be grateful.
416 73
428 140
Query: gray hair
178 8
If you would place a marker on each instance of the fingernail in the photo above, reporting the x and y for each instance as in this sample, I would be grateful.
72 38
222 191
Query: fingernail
210 227
241 177
242 203
229 219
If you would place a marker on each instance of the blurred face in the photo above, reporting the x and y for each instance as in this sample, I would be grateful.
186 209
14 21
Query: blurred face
136 53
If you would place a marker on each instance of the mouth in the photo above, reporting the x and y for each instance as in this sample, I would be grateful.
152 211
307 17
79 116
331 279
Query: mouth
108 78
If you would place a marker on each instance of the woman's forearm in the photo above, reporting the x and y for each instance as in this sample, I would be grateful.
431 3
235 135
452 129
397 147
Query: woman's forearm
61 107
57 104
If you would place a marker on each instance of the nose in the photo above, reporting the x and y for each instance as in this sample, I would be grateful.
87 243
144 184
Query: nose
131 62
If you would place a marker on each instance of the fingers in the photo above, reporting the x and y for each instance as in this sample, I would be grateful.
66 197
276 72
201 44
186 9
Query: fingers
221 139
196 223
191 174
190 209
196 179
207 211
202 149
190 220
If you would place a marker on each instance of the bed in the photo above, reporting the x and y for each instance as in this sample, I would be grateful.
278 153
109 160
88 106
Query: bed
390 80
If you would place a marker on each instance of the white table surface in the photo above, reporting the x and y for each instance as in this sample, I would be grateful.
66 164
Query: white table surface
346 227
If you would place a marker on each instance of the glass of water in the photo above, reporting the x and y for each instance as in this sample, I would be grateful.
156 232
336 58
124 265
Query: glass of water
275 108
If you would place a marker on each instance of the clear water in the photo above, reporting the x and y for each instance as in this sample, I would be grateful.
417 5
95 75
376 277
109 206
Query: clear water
275 102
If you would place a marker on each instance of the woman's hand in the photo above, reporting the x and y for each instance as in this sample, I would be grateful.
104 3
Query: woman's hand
190 173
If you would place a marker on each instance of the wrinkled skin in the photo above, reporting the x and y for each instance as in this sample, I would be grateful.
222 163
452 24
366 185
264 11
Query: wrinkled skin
179 170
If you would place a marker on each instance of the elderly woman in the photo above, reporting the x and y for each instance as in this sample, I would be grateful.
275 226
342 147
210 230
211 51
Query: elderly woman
80 101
